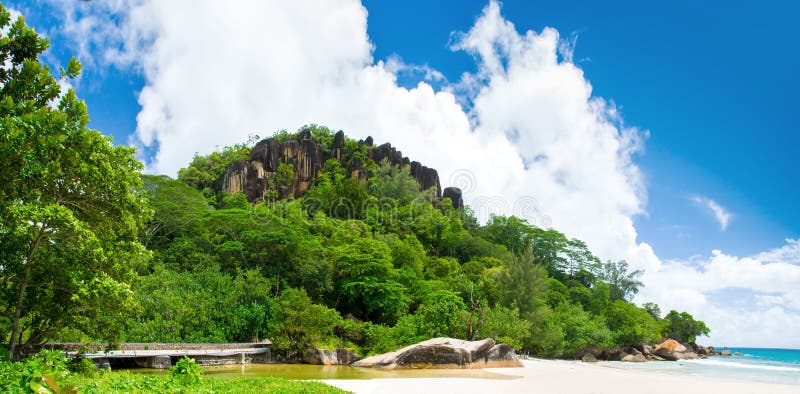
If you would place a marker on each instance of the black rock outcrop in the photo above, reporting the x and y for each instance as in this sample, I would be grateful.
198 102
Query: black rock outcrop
256 177
454 194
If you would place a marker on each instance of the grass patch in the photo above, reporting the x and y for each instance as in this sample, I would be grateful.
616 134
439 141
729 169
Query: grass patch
124 382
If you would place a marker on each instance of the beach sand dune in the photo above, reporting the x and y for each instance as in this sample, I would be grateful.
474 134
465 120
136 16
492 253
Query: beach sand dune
560 376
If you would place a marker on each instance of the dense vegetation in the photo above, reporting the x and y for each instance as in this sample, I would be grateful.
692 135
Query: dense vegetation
94 251
373 266
51 372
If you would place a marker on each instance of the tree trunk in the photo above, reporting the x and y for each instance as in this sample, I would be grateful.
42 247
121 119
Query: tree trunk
12 345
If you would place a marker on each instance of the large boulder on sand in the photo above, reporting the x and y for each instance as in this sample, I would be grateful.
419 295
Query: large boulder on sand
634 358
673 350
588 357
446 353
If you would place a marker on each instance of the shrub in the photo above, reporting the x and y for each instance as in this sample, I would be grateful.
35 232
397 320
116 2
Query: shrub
37 374
83 366
186 372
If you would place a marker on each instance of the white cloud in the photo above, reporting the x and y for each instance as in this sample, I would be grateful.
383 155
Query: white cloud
215 74
789 253
767 283
533 141
395 65
721 214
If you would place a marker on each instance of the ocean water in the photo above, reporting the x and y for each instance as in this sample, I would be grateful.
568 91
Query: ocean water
758 365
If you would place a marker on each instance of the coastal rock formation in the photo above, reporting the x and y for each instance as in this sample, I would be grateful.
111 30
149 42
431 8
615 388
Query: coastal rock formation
673 350
725 352
703 351
634 358
589 358
258 176
647 350
445 353
319 356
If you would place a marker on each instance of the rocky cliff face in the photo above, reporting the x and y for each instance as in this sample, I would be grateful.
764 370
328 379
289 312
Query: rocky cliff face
257 176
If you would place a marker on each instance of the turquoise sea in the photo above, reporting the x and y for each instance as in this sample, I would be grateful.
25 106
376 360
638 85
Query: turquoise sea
759 365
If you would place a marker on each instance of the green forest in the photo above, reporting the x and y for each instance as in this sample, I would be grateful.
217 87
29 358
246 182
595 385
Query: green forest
92 249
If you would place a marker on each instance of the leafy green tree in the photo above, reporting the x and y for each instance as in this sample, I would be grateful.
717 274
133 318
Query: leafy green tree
393 183
206 172
525 285
683 327
631 325
577 330
653 309
441 315
223 307
176 208
624 284
297 324
284 176
512 232
504 325
70 216
366 281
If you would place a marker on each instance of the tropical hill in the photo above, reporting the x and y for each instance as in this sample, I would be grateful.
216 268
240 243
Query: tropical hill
307 239
315 239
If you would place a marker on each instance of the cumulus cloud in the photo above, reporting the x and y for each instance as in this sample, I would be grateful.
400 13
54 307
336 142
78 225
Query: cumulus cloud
721 214
745 300
395 65
534 141
521 135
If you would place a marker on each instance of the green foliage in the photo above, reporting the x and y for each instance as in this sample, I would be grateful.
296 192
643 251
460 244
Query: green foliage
561 256
186 372
624 284
284 176
37 374
176 206
70 212
336 194
206 172
504 325
83 366
297 324
393 183
630 325
367 281
577 329
653 309
223 307
440 315
683 327
236 201
124 382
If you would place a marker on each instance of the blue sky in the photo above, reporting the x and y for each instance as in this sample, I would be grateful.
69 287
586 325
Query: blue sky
710 85
711 81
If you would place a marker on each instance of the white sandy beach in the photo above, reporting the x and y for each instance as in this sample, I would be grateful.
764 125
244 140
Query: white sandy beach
567 377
